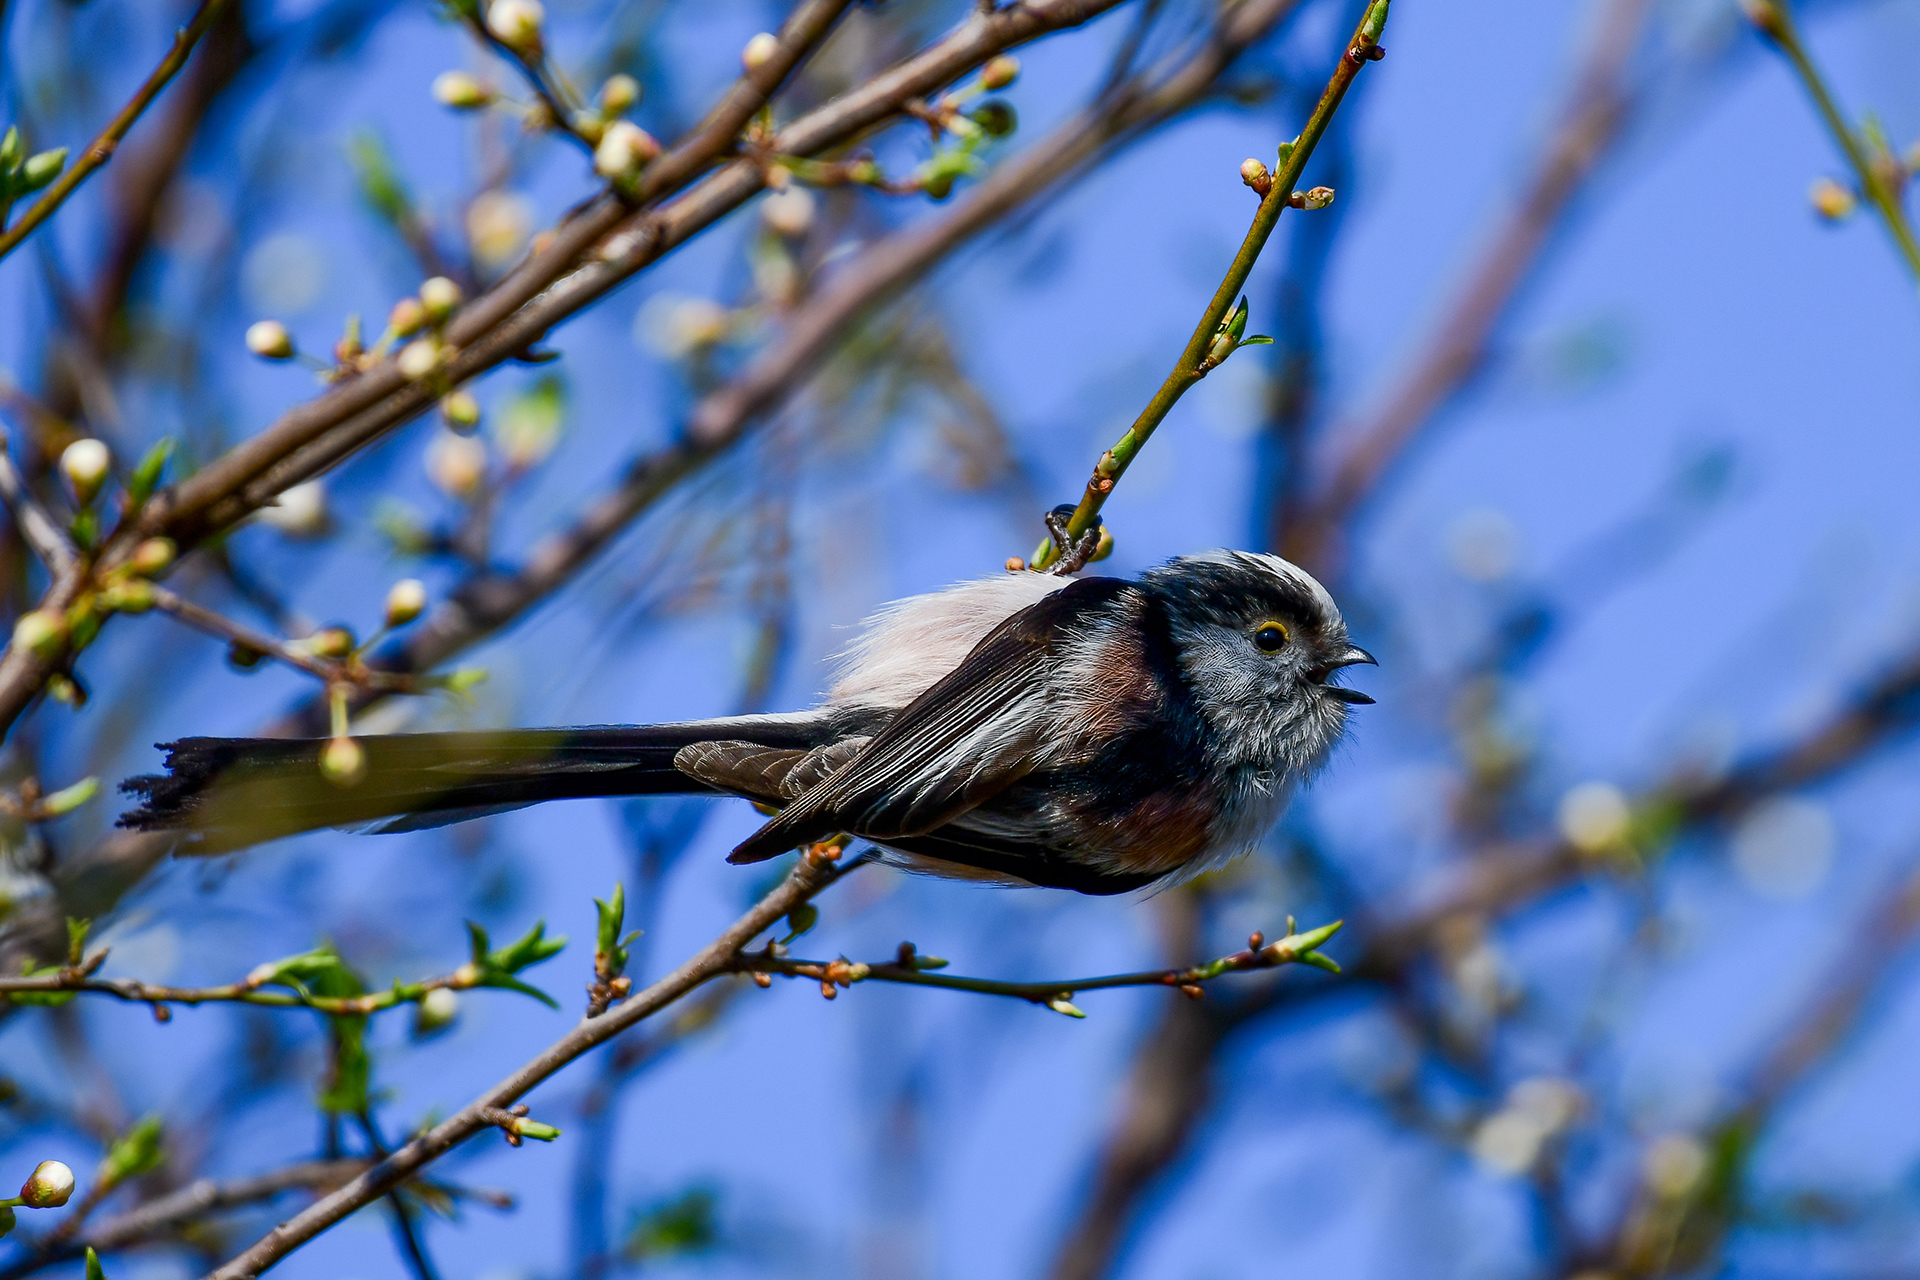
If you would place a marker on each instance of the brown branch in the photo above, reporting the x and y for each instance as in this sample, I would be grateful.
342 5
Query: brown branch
140 182
810 875
1591 122
101 149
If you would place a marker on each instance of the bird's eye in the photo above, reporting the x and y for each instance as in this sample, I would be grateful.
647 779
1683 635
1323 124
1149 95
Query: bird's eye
1271 637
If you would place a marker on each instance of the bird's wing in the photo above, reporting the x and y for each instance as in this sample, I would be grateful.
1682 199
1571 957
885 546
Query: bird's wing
974 732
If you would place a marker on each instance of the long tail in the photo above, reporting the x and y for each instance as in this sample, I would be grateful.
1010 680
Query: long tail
227 793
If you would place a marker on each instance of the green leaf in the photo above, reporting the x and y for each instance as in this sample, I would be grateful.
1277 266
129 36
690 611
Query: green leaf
528 426
77 930
133 1153
146 476
609 943
528 951
67 799
39 999
350 1071
380 183
676 1228
94 1270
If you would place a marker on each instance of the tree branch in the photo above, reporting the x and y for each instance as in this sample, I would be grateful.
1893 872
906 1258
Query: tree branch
1211 342
101 149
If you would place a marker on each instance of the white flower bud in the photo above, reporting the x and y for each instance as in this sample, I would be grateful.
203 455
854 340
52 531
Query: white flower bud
1831 200
270 340
625 148
788 213
460 90
300 512
408 317
85 464
406 600
457 465
439 296
50 1186
1595 817
618 93
517 23
418 359
759 50
435 1011
498 223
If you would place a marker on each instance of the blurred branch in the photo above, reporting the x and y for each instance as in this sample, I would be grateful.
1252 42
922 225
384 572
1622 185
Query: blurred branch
912 969
41 531
1881 175
348 670
812 873
189 1204
140 182
1592 121
1215 338
101 149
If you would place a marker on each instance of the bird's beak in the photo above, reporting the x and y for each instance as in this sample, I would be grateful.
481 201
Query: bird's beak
1352 655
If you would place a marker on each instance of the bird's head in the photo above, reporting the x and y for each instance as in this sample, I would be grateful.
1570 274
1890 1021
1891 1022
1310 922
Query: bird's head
1257 640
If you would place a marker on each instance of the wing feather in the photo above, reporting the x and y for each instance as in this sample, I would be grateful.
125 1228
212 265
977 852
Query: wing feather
973 733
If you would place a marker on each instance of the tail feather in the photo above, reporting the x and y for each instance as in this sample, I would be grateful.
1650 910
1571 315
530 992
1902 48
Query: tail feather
227 793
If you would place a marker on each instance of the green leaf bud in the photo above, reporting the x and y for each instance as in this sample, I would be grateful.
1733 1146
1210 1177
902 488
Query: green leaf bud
42 169
1000 72
40 633
996 118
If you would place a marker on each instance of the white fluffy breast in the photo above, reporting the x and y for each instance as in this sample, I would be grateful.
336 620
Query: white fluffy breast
913 642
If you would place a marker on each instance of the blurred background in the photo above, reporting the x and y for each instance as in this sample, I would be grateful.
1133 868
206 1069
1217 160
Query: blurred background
1602 435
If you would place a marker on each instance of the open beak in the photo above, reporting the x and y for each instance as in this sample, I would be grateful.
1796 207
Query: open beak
1353 655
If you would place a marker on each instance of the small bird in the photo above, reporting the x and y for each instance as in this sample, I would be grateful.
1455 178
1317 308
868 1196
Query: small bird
1092 734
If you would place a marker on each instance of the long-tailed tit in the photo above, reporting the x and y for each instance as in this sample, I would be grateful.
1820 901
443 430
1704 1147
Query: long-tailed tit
1092 734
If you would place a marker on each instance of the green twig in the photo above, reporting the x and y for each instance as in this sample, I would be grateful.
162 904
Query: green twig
1198 358
1880 176
914 969
101 149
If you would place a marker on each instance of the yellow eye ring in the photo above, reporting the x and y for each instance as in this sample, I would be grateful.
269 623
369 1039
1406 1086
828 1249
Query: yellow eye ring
1271 637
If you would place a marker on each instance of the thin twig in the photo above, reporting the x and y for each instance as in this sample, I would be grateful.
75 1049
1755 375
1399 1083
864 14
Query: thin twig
41 531
1880 177
101 149
1202 353
350 671
912 969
